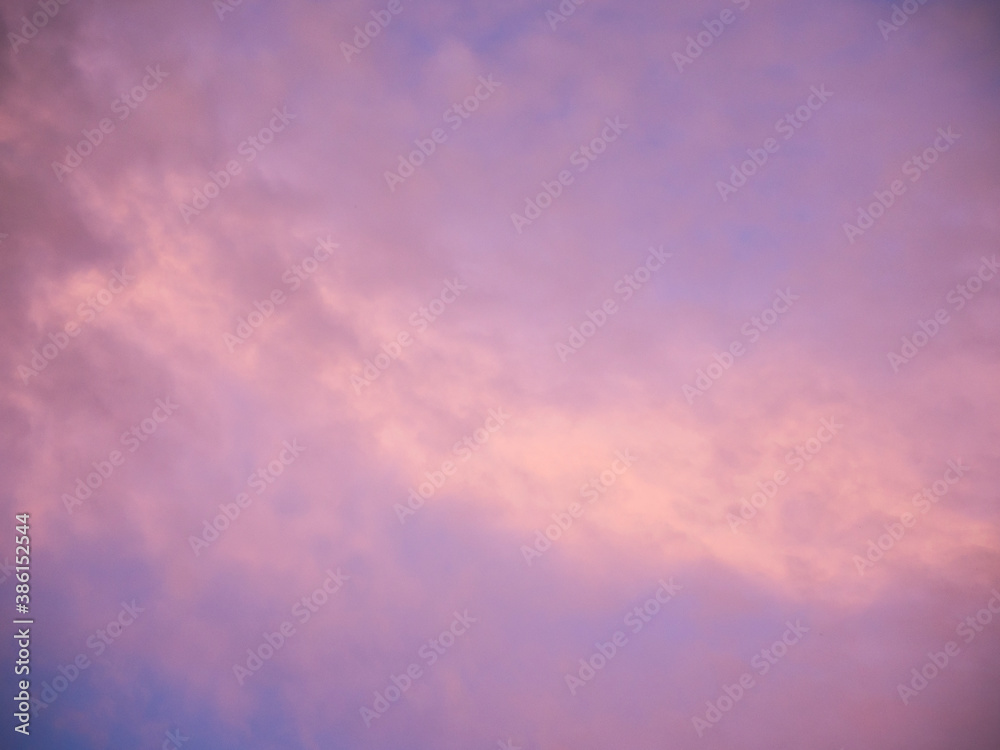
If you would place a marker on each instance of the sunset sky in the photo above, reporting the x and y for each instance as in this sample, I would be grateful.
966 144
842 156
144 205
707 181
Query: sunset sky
502 375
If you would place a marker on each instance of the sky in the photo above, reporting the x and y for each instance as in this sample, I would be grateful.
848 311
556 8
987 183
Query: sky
509 376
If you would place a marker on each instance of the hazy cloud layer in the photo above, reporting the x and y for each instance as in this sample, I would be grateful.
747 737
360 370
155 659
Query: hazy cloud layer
206 268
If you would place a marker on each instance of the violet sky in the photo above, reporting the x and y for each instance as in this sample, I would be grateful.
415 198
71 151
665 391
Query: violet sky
502 375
